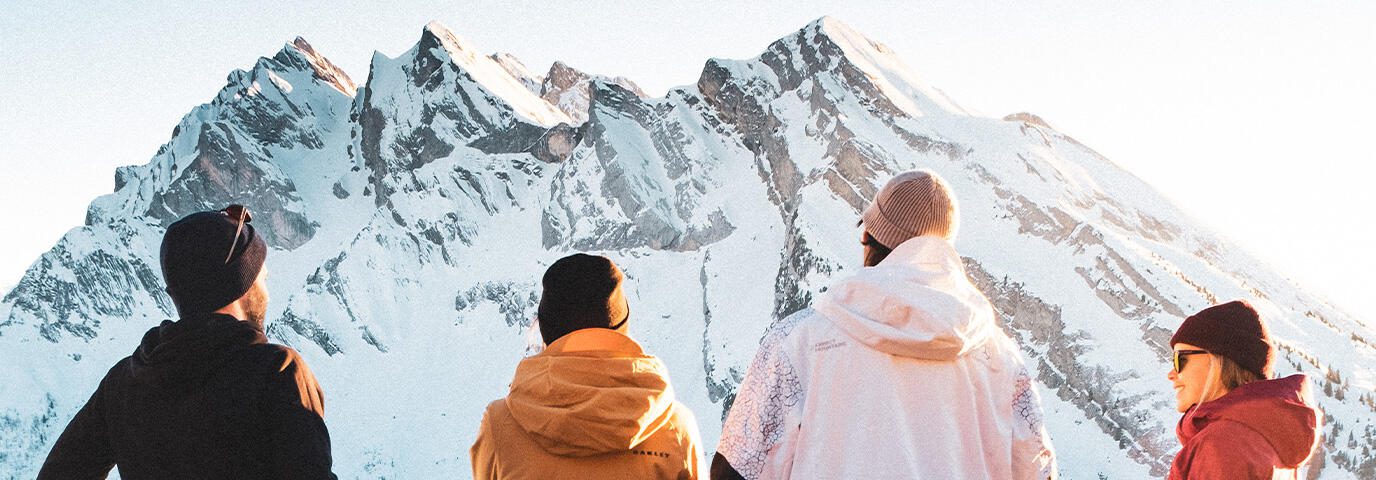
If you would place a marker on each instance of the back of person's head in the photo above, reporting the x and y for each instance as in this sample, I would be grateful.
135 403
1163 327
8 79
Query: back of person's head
1233 331
581 291
210 259
913 204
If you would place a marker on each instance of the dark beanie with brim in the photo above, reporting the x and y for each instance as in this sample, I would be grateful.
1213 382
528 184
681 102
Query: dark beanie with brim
581 291
201 274
1234 331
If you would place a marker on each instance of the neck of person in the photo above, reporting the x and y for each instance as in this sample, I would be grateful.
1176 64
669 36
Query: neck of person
238 311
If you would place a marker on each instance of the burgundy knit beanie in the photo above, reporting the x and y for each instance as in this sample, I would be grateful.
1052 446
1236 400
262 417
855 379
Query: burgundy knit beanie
581 291
205 267
1233 330
912 204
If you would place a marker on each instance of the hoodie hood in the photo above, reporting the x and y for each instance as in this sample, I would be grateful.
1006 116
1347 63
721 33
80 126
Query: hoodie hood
174 356
591 392
916 303
1281 410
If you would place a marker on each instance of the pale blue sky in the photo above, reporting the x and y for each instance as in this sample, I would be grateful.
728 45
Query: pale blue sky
1254 116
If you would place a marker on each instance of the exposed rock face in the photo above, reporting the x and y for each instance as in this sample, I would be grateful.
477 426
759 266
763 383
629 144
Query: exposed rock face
91 276
439 95
632 191
224 152
1039 326
325 71
225 171
571 90
411 220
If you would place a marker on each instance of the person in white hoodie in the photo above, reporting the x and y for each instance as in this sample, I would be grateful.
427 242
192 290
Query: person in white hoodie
899 371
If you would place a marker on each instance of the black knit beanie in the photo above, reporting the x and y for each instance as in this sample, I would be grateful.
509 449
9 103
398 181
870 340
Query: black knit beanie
1233 330
581 291
202 274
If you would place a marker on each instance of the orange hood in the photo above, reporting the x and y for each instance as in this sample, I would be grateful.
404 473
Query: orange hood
594 391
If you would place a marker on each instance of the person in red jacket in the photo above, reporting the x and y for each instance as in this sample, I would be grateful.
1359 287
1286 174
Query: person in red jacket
1238 423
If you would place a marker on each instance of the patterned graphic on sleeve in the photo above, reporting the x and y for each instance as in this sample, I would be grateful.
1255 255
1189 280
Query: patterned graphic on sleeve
1025 404
1032 454
765 404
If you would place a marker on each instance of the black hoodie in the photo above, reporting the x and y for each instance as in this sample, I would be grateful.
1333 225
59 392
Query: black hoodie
204 398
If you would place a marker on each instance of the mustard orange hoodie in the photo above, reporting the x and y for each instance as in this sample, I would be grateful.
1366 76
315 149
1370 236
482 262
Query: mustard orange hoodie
592 405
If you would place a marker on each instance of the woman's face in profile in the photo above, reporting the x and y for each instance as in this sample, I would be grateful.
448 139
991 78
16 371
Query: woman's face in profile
1193 378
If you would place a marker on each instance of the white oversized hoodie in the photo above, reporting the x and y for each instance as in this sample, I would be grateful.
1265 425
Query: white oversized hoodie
897 372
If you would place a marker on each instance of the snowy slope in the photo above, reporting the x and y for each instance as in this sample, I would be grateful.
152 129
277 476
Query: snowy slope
412 216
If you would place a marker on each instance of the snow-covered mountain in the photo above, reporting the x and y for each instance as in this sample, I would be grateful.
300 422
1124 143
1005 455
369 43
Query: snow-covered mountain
411 217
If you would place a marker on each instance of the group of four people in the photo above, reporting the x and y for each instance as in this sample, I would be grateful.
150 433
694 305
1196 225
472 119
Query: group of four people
898 371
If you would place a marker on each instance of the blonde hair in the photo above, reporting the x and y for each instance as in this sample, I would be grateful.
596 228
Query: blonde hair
1229 374
1233 375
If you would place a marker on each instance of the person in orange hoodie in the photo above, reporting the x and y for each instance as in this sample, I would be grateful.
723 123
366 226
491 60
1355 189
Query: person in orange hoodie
593 404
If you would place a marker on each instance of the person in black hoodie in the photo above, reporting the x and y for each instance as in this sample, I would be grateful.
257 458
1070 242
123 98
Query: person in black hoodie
206 396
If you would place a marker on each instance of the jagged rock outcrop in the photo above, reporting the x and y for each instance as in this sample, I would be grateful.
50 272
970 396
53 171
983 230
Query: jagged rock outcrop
572 90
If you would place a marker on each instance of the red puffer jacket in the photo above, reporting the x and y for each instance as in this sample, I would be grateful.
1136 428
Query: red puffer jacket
1250 433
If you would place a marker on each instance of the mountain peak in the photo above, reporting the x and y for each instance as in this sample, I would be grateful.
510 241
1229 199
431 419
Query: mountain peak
301 54
301 44
830 44
434 27
844 35
439 45
561 77
437 34
830 24
571 90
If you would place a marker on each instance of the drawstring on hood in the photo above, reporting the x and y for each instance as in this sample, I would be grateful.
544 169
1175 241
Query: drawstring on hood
591 392
917 303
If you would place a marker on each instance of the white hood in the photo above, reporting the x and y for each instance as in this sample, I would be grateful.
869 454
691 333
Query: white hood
916 303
